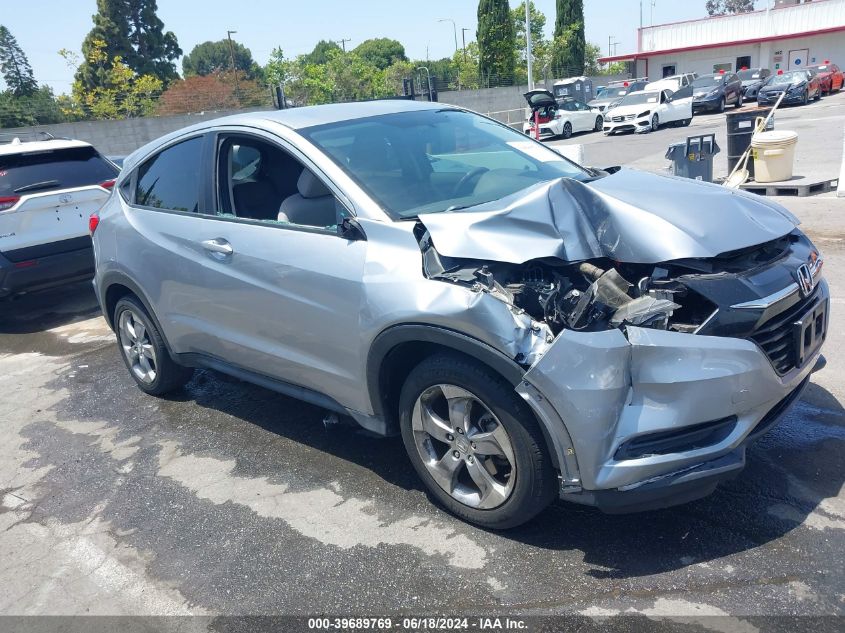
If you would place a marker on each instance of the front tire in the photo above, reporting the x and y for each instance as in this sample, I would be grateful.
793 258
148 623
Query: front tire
599 124
474 443
655 123
144 352
722 104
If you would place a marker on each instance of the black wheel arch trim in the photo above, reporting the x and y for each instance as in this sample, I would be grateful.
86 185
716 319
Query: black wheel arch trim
115 278
396 335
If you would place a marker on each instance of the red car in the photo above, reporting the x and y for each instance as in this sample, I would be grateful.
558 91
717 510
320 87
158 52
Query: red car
830 77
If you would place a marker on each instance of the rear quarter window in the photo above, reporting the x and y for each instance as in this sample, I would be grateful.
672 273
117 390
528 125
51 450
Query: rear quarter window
56 169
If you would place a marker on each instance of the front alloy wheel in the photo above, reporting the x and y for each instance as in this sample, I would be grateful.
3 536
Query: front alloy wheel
137 348
465 449
599 123
655 123
474 442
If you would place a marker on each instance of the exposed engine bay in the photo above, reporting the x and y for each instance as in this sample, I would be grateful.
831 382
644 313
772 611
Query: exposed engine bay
601 294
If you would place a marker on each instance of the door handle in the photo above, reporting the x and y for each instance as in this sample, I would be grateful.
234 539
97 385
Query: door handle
218 248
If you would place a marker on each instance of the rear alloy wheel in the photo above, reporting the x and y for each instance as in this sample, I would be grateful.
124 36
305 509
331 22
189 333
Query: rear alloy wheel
738 103
474 442
655 123
567 130
599 124
144 352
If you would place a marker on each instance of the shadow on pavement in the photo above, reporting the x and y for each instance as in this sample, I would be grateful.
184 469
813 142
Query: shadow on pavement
48 309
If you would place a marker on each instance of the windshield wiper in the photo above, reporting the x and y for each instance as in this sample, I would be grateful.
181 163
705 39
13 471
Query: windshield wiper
38 185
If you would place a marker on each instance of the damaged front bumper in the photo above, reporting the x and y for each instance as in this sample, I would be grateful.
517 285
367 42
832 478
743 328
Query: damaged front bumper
651 418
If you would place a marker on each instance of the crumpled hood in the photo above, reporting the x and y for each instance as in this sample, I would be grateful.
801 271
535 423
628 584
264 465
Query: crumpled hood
628 216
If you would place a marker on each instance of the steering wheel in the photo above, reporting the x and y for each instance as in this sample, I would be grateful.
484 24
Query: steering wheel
468 177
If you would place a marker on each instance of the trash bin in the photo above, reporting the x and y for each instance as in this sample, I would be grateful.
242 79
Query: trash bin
694 157
740 130
774 153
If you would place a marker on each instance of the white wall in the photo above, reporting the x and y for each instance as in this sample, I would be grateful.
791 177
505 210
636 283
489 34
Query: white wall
803 18
830 46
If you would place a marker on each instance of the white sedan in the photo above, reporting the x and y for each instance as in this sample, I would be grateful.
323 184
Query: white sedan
559 117
648 110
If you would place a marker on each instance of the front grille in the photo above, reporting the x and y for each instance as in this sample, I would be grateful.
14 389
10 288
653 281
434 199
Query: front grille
776 337
627 117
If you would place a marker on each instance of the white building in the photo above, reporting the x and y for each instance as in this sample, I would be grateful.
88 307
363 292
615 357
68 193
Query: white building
789 36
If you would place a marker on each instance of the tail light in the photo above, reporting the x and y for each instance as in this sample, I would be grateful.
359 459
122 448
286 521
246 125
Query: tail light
107 184
93 222
7 202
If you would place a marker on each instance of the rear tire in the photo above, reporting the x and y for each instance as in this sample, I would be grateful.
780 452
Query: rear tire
567 130
475 443
686 122
144 352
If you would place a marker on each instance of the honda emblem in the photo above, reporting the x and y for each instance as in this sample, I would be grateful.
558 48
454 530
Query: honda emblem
65 198
805 280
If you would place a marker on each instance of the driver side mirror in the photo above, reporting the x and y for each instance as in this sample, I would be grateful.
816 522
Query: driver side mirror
349 229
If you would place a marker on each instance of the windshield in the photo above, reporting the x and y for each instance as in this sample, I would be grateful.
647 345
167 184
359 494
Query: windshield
636 98
706 81
37 172
437 160
796 76
746 75
609 93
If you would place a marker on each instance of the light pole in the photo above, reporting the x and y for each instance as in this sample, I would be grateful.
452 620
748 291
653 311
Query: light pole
454 30
234 70
528 45
429 80
464 38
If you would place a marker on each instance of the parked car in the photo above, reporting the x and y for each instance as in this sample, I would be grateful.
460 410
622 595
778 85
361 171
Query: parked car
646 111
559 117
830 77
800 86
612 94
752 80
675 83
533 329
48 189
714 92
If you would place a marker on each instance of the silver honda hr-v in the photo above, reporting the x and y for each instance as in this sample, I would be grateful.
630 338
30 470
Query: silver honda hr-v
534 329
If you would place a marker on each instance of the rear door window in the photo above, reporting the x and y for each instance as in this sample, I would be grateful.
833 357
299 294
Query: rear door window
33 172
171 179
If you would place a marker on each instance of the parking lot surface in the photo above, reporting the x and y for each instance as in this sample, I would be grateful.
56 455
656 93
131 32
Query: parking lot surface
230 499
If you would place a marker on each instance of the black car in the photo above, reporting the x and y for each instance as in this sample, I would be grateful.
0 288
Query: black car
714 92
752 80
799 85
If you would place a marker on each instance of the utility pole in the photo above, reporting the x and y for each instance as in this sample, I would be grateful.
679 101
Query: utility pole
641 14
528 45
343 42
234 69
611 45
464 38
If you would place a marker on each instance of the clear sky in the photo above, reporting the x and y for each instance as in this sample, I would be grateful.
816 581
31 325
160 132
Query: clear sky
42 27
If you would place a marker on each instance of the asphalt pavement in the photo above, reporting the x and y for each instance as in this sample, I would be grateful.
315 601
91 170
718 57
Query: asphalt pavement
228 499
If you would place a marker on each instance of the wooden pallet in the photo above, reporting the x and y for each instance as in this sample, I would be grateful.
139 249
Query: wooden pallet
800 190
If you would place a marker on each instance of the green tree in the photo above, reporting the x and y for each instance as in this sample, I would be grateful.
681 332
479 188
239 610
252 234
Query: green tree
214 57
381 52
17 73
37 108
466 67
539 44
320 54
592 53
121 92
133 32
569 44
496 44
721 7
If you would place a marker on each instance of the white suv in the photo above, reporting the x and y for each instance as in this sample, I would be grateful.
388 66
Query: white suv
48 191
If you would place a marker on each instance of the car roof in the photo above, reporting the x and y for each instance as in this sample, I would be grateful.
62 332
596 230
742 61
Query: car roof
39 146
